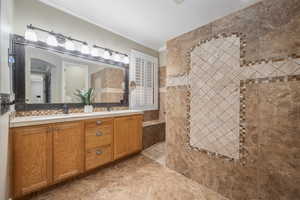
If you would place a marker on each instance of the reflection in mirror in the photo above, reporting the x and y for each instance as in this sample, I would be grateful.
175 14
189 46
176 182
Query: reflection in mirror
54 78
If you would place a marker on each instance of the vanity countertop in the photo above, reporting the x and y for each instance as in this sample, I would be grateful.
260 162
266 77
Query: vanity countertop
47 119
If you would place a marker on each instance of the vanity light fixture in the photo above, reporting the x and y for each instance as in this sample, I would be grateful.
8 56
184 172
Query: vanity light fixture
117 57
69 45
30 34
95 52
52 41
126 60
113 55
57 39
106 55
85 49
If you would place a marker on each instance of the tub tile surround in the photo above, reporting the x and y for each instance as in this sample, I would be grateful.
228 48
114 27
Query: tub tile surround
261 55
153 133
151 115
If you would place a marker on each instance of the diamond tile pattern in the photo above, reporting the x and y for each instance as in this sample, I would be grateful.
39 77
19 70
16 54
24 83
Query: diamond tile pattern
214 81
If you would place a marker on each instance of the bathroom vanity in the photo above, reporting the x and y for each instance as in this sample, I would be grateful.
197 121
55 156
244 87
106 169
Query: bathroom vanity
50 149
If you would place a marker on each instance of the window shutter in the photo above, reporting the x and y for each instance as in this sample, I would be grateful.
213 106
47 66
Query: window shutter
143 72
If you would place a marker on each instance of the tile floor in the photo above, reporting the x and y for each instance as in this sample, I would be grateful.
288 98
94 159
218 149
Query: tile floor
135 178
156 152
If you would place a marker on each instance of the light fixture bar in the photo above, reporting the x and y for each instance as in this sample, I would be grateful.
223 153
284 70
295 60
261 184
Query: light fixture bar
111 51
61 36
58 35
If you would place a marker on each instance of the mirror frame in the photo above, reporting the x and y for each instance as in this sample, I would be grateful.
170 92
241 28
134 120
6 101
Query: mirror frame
18 44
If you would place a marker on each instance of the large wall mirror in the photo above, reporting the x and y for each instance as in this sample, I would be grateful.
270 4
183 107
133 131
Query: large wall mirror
47 77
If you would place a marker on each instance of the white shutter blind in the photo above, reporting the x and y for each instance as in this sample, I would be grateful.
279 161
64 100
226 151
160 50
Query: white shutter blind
143 72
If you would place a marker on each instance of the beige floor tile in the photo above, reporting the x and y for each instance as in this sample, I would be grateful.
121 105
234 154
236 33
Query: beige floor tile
137 178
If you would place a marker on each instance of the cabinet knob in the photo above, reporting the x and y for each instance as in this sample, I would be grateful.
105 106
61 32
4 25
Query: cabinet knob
98 122
98 152
98 133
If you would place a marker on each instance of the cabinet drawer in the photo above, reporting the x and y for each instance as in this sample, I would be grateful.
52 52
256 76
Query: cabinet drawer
93 123
98 156
99 136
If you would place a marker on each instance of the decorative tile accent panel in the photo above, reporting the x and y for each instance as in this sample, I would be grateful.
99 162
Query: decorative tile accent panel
214 101
216 116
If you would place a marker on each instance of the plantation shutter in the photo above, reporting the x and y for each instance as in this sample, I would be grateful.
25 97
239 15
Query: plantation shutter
143 81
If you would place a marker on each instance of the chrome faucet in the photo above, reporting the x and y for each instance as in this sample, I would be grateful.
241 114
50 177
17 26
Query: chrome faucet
65 109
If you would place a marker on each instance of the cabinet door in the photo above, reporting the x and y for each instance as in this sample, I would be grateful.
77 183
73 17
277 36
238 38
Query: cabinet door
68 150
135 134
128 135
31 159
121 137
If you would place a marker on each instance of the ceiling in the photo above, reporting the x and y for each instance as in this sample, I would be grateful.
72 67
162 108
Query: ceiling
149 22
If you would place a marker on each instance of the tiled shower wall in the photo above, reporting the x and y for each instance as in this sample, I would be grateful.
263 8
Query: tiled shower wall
162 92
233 102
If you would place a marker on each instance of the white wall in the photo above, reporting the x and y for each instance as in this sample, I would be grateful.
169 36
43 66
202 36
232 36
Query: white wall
44 16
4 154
6 8
163 58
5 23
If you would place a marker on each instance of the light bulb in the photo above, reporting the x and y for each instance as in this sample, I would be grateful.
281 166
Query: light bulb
85 49
30 35
106 55
125 60
95 52
51 40
117 57
69 45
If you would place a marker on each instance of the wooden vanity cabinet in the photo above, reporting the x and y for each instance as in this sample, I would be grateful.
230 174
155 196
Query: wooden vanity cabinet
32 163
128 135
44 155
68 150
99 135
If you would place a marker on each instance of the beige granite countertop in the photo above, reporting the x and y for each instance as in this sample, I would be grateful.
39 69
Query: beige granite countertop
47 119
